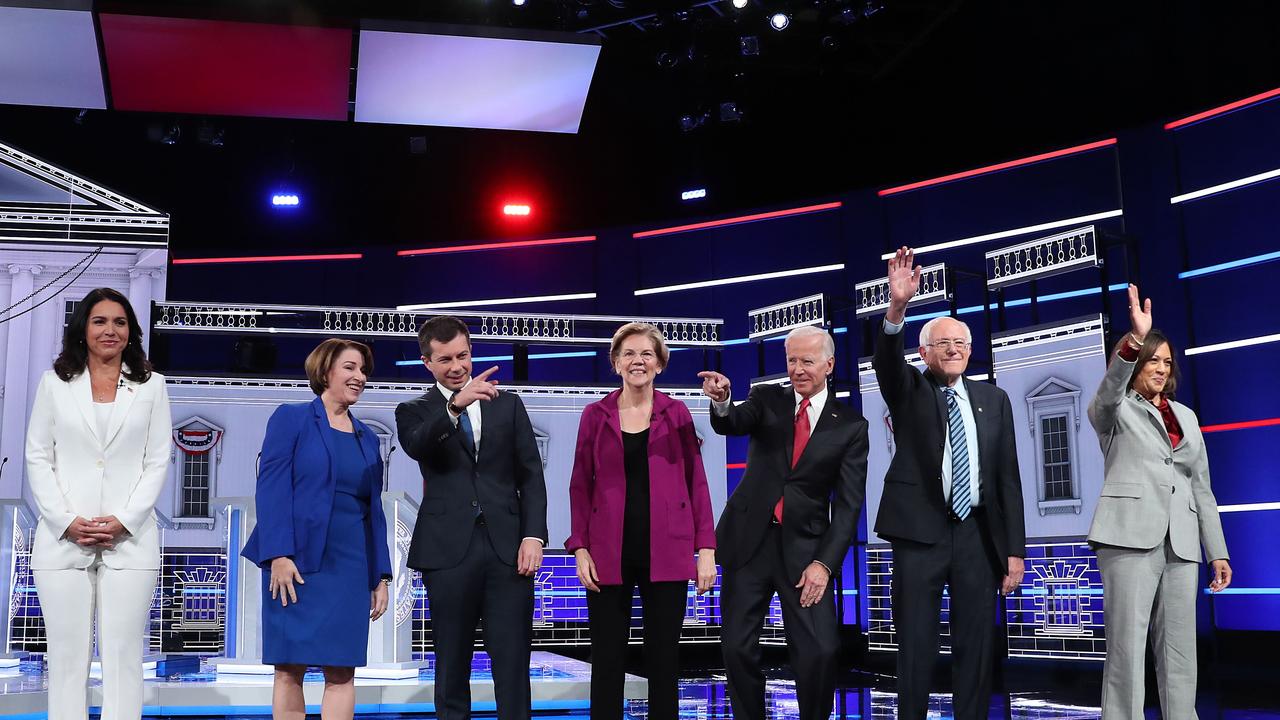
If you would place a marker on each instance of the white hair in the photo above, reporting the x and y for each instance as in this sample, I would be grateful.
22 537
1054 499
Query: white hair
828 345
926 332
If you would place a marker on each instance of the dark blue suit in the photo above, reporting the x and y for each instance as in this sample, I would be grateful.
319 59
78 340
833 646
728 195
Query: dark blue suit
296 481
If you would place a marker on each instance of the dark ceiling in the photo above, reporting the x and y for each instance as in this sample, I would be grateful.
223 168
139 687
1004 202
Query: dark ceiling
851 94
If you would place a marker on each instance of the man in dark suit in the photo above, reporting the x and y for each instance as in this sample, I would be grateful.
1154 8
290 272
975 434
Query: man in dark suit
789 523
483 521
952 503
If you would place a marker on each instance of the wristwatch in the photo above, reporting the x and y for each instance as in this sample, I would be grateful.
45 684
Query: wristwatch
455 409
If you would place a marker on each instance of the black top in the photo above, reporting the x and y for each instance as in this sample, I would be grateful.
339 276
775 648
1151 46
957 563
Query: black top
635 519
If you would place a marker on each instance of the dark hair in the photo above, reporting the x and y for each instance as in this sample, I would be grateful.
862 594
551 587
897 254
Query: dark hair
442 329
75 353
1150 344
321 360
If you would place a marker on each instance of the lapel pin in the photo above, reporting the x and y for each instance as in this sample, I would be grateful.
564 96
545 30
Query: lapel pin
979 409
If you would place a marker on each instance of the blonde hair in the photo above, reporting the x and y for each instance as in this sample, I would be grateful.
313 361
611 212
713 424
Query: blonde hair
640 328
321 360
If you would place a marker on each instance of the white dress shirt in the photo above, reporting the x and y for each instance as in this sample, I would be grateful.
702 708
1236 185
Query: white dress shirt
970 434
816 404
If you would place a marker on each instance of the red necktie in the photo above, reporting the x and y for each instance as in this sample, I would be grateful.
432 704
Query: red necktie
802 439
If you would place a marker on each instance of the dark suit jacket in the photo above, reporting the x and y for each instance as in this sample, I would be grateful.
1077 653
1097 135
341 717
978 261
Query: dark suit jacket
296 484
505 482
913 506
823 493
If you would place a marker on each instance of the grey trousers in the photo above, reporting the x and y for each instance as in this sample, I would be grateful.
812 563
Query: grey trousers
1149 591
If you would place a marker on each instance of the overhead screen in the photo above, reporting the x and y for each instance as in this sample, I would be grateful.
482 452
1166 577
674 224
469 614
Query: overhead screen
227 68
50 58
414 78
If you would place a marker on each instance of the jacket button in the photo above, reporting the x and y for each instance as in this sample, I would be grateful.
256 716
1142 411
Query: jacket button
1173 489
475 503
682 505
1168 461
99 463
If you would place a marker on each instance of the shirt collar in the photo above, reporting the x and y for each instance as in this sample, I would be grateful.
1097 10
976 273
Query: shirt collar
818 401
962 390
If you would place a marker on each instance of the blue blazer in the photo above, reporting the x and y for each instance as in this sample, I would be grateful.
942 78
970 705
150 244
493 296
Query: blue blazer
295 491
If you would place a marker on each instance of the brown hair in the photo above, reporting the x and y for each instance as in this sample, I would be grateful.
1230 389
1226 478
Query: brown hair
442 329
639 328
321 360
1150 344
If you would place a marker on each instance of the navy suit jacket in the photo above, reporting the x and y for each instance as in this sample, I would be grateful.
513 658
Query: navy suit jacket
296 483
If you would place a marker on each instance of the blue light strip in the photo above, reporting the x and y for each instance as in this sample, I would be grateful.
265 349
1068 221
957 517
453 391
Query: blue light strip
1232 265
360 709
505 358
1245 591
968 310
233 583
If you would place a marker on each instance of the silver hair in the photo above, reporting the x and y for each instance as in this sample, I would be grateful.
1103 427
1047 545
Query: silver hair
926 332
828 345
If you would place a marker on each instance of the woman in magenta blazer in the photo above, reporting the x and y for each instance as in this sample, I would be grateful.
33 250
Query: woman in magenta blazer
640 508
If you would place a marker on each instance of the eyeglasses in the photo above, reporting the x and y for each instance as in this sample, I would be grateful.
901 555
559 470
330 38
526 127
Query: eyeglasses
944 345
645 355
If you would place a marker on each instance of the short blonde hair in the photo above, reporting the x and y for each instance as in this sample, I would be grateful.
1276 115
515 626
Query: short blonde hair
640 328
321 360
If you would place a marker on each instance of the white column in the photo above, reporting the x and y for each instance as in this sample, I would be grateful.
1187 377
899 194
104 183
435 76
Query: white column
140 295
17 389
6 285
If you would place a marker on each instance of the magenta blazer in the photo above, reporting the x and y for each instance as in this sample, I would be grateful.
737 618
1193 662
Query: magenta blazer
679 503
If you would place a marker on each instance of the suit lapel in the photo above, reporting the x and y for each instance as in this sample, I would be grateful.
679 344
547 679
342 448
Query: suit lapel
435 395
322 428
1186 419
787 416
1153 413
82 391
827 420
124 400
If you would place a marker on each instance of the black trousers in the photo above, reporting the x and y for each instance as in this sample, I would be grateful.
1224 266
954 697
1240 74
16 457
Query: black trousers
481 587
963 560
609 617
813 638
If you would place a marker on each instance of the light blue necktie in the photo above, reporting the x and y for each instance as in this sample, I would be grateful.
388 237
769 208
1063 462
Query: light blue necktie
961 503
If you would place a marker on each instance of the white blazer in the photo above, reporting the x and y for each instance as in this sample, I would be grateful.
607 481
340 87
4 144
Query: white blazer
73 471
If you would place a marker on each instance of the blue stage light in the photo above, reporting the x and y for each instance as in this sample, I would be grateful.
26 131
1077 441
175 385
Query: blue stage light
285 200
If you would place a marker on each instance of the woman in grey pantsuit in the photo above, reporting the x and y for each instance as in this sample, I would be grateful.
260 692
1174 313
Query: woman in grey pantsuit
1155 513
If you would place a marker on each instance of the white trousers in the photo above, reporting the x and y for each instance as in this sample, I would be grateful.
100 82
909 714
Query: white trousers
1149 593
122 599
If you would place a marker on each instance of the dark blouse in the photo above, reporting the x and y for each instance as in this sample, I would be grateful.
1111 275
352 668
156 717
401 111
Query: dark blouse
635 519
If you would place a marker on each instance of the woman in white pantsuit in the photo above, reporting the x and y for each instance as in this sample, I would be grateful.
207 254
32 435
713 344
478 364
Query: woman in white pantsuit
1155 513
97 450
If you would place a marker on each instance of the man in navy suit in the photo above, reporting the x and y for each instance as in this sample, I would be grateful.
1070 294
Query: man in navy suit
483 522
952 503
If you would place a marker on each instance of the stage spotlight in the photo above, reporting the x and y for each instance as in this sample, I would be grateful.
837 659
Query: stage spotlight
285 200
172 134
695 194
749 45
692 121
830 43
729 112
740 4
517 210
779 21
871 8
517 3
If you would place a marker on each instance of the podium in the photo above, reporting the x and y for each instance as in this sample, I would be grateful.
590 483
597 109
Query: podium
390 637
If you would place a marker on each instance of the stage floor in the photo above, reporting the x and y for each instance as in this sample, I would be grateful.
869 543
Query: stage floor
561 690
559 684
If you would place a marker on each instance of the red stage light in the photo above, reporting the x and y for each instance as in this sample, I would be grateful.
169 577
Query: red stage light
517 210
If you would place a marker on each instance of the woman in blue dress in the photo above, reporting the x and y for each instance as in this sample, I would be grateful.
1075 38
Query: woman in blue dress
321 534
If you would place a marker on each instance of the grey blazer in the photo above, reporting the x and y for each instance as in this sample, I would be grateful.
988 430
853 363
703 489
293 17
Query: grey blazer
1150 490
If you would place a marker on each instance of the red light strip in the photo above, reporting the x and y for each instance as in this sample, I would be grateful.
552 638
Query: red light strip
1240 425
1221 109
496 246
739 220
736 466
998 167
265 259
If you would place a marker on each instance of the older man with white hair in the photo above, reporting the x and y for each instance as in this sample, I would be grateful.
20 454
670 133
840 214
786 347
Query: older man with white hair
952 503
789 522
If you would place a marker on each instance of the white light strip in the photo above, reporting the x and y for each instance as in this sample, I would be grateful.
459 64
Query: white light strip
1013 232
1234 344
740 279
1224 187
496 301
1247 507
